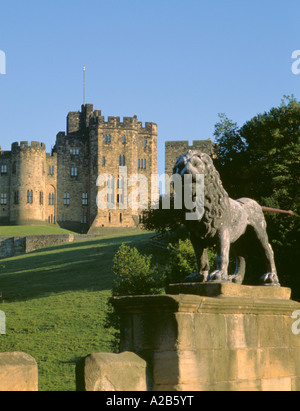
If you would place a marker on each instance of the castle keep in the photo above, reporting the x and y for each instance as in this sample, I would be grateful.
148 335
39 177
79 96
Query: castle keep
37 187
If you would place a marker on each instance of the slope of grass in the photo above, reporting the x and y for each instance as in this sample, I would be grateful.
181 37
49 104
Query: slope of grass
22 230
55 302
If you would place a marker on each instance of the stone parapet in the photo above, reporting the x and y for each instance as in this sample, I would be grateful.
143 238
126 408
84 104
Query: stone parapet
18 372
201 343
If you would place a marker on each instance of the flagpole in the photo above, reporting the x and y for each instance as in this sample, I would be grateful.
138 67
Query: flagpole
83 85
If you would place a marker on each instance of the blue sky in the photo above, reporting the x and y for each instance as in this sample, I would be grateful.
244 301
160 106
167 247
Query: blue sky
177 63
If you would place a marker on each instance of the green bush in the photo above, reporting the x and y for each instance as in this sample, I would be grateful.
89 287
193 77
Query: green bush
182 261
134 274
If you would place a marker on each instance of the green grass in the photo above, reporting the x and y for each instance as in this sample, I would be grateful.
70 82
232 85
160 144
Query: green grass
20 230
55 302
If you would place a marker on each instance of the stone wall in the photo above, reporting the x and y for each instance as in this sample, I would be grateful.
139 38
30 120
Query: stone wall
13 246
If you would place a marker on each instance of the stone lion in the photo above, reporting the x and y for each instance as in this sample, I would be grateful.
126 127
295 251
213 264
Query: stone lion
224 224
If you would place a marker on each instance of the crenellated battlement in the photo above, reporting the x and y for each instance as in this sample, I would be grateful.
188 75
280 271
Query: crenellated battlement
127 123
25 146
78 121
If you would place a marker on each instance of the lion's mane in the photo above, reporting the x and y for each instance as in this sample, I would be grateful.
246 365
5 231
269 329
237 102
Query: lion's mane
216 199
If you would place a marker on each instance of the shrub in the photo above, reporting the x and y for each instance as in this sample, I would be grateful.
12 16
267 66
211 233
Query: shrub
134 274
182 261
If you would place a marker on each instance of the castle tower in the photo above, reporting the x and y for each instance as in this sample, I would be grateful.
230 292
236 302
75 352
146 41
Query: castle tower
113 145
28 164
175 149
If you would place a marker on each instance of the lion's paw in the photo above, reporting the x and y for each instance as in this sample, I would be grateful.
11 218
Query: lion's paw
270 279
197 278
218 275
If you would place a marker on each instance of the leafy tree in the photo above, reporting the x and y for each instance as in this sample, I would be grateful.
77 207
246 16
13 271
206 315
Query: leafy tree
163 220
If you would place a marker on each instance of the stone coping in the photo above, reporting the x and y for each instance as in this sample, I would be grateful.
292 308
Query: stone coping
190 303
228 289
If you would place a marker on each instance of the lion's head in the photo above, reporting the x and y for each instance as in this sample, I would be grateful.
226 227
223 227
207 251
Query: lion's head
216 199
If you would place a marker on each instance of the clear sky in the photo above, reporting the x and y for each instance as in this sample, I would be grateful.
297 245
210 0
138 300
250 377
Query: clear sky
177 63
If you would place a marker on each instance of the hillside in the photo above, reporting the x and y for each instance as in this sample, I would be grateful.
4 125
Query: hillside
55 302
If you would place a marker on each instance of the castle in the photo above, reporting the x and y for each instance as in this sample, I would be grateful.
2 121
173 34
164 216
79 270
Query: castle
61 187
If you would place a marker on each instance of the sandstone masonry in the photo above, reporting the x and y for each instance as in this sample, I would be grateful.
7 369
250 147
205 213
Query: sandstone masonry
37 187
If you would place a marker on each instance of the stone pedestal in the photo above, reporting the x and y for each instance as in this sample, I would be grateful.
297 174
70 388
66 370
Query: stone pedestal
205 337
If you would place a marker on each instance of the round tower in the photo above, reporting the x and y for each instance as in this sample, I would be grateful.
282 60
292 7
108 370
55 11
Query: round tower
28 183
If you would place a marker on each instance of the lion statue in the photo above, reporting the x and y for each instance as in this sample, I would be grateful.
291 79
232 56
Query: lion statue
224 223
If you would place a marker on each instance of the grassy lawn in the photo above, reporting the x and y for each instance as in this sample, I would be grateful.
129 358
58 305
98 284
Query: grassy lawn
55 302
15 231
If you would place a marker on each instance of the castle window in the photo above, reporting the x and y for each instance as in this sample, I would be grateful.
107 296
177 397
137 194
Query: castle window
139 163
74 172
144 163
66 199
83 219
51 219
109 217
85 199
29 197
74 151
124 139
4 169
145 143
122 161
64 218
51 170
16 197
3 199
41 198
121 218
103 161
51 199
107 138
